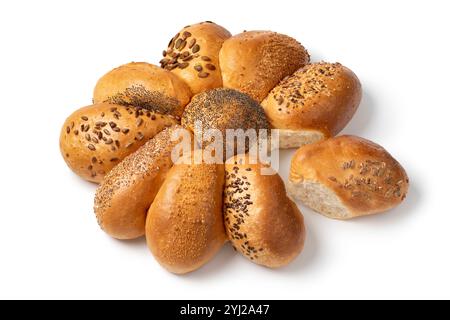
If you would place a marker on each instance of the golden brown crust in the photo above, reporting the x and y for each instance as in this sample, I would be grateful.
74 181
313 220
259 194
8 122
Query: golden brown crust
363 175
256 61
96 138
321 97
143 85
261 221
193 55
184 224
124 196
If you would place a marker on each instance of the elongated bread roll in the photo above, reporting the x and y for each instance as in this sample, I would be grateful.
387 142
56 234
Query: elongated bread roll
261 221
124 196
184 224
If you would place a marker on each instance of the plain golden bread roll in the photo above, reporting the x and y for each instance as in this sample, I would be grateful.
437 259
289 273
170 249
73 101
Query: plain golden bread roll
193 55
143 85
124 196
261 221
224 109
96 138
347 177
313 104
184 227
256 61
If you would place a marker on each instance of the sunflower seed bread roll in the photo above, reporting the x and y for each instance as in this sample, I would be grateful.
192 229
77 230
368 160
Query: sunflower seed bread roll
94 139
347 177
193 55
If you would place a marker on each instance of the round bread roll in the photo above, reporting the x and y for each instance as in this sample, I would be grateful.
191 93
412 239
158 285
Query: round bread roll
224 109
347 177
262 223
193 55
123 198
95 138
144 85
313 104
184 227
256 61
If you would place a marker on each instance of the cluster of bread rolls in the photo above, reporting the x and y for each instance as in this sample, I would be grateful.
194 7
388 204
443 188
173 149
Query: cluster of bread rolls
188 210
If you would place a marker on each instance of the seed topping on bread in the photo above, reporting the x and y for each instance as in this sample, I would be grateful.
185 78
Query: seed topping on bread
182 49
306 83
236 207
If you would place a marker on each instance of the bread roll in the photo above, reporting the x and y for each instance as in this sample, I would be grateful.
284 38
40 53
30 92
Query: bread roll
260 220
184 224
95 138
313 104
347 177
224 109
256 61
193 55
143 85
123 198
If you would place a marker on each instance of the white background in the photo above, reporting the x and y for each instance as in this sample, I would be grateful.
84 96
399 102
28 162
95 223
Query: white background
53 52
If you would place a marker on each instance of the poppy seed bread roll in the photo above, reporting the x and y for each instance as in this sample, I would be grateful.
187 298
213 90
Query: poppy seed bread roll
256 61
144 85
126 193
347 177
313 104
96 138
224 109
261 221
184 226
193 55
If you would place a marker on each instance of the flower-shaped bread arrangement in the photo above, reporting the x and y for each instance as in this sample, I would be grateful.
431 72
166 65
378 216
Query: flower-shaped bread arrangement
187 210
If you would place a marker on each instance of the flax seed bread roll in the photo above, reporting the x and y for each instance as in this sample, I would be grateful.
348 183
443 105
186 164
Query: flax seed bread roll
313 104
124 196
193 55
96 138
224 109
184 224
144 85
347 177
261 222
256 61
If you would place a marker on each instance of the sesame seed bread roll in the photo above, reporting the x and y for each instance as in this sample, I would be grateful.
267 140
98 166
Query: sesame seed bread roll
313 104
224 109
184 227
262 223
143 85
347 177
193 55
256 61
123 198
96 138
